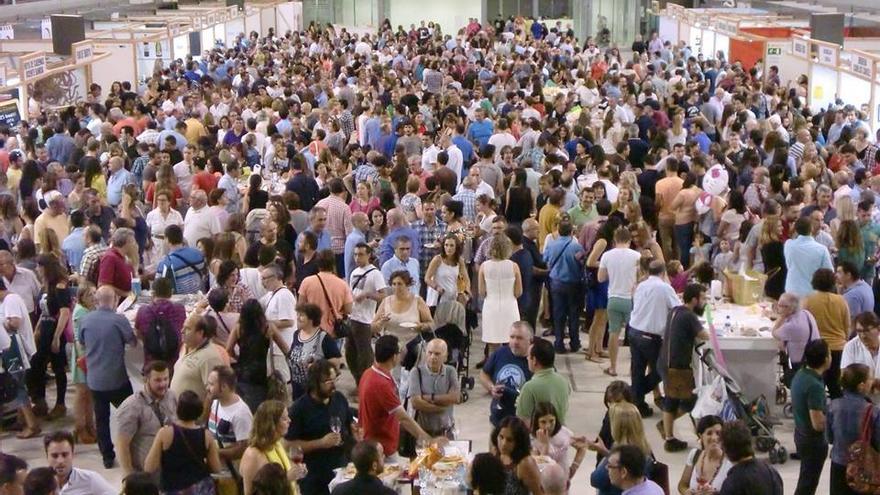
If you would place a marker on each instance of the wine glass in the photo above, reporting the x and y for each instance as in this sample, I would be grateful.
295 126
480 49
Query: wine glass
296 454
336 425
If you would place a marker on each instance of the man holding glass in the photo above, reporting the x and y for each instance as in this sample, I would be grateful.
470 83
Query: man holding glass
322 429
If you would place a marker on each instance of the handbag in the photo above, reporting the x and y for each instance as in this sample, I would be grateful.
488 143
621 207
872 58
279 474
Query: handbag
341 326
863 467
276 388
659 473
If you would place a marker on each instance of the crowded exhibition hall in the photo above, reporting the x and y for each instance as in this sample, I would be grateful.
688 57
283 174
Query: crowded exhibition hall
377 247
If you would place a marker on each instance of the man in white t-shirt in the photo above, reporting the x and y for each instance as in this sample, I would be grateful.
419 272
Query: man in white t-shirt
15 319
200 221
280 307
864 348
229 418
184 170
367 288
620 267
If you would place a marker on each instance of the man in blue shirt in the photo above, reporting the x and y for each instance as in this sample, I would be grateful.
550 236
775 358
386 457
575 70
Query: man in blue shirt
184 265
107 378
397 227
119 178
402 260
803 256
562 256
467 149
480 129
60 146
75 243
858 294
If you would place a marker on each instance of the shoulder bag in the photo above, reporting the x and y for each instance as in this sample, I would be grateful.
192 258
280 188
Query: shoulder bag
863 468
341 325
206 486
234 485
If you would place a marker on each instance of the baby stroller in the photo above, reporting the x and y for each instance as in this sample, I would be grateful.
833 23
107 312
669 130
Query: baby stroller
457 342
754 413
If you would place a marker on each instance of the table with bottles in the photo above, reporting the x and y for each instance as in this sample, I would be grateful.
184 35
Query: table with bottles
747 346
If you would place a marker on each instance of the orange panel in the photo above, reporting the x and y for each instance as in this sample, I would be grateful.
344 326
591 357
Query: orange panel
746 52
769 32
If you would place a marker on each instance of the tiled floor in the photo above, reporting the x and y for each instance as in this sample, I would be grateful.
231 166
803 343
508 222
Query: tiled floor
585 416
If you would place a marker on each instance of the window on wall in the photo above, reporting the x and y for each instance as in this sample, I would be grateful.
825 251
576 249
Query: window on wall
554 9
508 8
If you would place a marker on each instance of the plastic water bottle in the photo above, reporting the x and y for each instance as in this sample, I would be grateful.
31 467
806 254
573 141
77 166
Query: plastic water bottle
728 326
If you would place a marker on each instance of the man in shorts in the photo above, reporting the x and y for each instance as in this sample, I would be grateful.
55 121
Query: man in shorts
683 329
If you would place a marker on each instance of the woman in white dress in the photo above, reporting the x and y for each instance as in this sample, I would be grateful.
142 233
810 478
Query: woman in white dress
500 284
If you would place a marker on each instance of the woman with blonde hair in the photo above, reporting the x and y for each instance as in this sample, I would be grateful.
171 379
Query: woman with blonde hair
266 445
500 284
626 429
629 180
849 244
846 210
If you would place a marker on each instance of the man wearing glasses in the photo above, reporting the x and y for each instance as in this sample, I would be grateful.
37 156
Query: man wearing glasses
280 307
322 426
626 468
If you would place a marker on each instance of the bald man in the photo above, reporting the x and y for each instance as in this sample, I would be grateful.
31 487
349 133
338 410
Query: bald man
199 221
104 333
554 480
434 389
360 224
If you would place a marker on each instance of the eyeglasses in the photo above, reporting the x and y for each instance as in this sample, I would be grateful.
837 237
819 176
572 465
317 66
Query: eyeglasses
612 466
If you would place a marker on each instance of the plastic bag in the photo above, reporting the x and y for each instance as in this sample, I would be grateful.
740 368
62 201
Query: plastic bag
710 399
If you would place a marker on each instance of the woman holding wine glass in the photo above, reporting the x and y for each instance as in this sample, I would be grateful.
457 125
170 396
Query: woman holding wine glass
266 446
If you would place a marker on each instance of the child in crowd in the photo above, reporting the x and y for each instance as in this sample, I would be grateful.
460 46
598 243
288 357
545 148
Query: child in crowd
725 258
553 439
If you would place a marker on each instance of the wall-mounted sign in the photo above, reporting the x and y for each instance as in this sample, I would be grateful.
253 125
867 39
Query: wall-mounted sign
828 55
774 50
6 32
861 65
728 28
84 53
34 67
799 48
2 76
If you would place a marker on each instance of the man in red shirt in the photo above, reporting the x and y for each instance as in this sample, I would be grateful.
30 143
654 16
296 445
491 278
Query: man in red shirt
381 414
115 270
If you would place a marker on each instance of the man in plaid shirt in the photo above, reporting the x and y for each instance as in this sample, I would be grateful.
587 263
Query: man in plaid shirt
431 231
91 259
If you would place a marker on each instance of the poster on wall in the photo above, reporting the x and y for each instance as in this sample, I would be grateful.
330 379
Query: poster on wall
46 29
84 53
9 114
2 76
6 32
61 89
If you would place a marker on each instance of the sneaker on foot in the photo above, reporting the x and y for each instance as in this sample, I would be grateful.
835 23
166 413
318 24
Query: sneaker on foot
674 445
109 463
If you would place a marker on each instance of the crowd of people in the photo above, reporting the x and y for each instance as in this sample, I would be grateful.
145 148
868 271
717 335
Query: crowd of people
332 199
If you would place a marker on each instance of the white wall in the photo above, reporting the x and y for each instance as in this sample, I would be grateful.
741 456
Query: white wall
452 15
867 44
119 66
252 23
267 21
823 87
234 27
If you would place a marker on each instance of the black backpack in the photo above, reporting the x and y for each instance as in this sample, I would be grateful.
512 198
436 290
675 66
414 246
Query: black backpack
161 341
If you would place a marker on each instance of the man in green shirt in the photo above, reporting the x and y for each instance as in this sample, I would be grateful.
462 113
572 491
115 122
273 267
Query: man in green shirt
808 404
585 212
870 237
546 385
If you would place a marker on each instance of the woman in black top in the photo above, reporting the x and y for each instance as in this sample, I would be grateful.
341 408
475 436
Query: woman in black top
518 203
49 337
256 197
250 341
185 452
773 256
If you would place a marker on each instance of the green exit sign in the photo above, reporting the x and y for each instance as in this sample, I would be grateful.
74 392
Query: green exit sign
774 50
